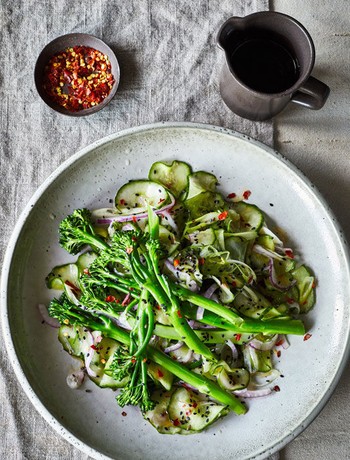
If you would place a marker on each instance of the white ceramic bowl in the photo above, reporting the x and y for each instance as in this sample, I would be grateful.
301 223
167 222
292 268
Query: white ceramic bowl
93 421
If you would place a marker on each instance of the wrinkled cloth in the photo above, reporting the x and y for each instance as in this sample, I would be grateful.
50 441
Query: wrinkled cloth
169 65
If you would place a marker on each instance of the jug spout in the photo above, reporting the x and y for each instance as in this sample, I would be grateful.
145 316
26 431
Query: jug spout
229 32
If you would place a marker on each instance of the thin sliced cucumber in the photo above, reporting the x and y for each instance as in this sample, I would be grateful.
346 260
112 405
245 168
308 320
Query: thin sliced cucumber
159 416
203 203
251 216
85 260
201 181
305 283
75 341
173 176
194 411
62 273
160 375
133 197
202 238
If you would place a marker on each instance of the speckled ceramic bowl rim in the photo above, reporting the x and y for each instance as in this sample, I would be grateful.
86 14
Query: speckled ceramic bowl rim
26 212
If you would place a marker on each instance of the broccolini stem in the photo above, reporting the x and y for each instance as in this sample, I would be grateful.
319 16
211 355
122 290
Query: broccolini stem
249 326
208 304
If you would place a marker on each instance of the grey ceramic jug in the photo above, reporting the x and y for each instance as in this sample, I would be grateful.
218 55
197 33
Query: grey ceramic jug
262 43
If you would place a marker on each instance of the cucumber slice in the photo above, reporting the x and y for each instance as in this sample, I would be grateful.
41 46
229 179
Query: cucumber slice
251 216
194 411
160 375
236 247
74 341
203 203
85 260
305 283
62 273
202 238
159 417
174 176
201 181
133 197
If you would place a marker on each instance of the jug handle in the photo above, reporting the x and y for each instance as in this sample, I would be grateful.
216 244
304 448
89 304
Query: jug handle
312 94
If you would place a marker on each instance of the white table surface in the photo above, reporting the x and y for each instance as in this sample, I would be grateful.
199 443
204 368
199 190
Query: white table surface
319 144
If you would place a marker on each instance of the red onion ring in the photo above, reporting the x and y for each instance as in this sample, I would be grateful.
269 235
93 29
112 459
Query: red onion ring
75 379
253 393
273 278
130 217
259 345
174 347
53 322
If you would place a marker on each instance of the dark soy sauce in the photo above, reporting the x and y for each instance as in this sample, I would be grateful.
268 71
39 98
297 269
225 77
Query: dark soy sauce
265 65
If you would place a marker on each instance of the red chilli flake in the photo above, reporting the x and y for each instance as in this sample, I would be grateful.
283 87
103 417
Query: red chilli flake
179 314
279 343
86 271
176 262
290 300
247 194
276 388
231 195
307 336
134 218
176 422
289 253
122 201
110 298
78 78
160 373
94 347
201 261
223 215
238 336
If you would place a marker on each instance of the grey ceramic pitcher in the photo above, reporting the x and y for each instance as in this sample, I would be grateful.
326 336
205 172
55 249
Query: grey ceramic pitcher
255 104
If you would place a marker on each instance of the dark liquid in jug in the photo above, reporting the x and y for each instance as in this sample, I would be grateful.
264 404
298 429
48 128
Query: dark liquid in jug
265 65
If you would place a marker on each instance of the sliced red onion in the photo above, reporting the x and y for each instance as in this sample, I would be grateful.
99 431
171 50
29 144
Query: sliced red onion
71 293
126 299
114 216
174 347
128 227
75 379
200 313
273 278
89 354
266 252
169 220
210 291
123 321
283 342
233 349
192 285
253 393
260 380
266 231
260 345
53 322
187 385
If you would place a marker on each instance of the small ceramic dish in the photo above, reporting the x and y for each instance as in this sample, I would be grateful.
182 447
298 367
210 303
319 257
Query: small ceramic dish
60 44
